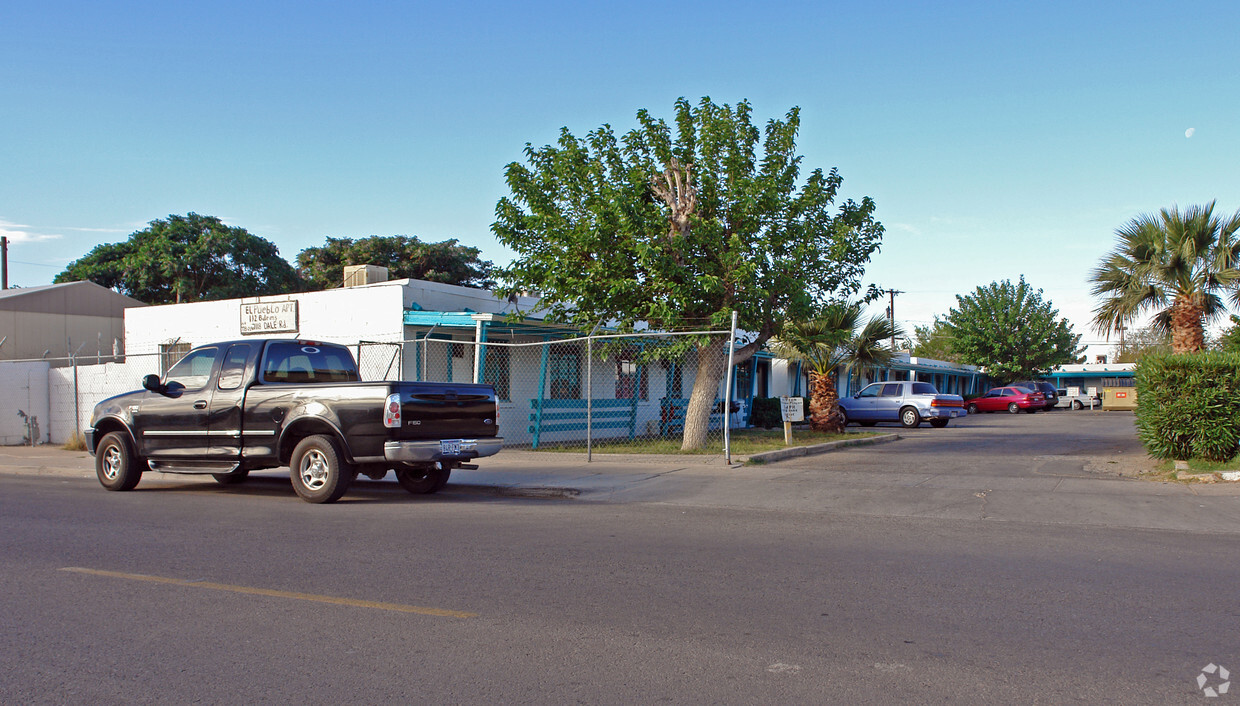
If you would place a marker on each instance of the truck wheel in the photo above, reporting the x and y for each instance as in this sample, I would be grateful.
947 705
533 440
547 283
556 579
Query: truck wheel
909 418
116 464
318 472
234 478
1013 408
423 480
938 423
1076 404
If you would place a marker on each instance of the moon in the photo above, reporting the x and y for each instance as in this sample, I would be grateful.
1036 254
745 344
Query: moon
1189 132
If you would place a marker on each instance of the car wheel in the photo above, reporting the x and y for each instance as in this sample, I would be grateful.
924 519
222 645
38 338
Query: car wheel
1013 408
844 420
909 418
1076 404
938 423
235 478
972 409
116 464
423 480
318 471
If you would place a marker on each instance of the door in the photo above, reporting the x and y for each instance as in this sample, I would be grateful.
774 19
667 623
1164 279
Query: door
224 420
173 425
863 406
887 405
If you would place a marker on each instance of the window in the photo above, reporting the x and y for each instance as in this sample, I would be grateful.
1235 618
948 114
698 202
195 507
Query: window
675 380
193 371
924 388
564 372
632 380
169 354
300 362
496 369
232 372
871 391
892 389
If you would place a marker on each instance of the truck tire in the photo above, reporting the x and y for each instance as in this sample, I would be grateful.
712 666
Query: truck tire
116 464
235 478
318 471
909 418
423 480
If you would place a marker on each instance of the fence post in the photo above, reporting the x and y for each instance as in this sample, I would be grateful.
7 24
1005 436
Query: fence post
727 395
589 397
77 411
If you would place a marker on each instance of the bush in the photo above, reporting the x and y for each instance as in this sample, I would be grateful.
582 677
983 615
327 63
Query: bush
1188 406
766 413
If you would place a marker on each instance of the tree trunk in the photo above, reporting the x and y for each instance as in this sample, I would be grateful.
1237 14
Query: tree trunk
1187 332
824 405
712 359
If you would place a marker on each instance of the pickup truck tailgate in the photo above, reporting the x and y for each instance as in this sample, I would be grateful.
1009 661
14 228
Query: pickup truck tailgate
436 411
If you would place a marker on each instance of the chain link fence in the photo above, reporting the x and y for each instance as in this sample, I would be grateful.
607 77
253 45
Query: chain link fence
593 394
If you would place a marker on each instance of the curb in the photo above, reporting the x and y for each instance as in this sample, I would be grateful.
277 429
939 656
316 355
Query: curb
797 451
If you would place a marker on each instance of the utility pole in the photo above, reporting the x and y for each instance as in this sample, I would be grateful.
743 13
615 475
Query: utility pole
4 259
891 314
1121 328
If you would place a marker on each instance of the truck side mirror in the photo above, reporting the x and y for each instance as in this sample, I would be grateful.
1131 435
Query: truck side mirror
151 382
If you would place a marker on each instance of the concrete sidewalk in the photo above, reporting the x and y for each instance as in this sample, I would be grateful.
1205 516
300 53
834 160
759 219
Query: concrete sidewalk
828 484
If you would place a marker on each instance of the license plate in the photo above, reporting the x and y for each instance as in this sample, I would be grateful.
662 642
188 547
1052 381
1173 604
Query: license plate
954 413
457 447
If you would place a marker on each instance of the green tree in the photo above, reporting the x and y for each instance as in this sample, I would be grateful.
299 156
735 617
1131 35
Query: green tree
680 230
1011 332
404 257
933 342
1142 342
1176 263
186 259
1229 339
836 341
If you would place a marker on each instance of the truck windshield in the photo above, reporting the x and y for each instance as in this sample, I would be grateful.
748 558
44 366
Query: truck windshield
300 362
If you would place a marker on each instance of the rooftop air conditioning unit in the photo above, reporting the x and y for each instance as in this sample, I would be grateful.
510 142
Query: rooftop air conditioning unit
357 275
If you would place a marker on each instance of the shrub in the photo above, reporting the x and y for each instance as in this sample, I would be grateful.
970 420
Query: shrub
766 413
1188 406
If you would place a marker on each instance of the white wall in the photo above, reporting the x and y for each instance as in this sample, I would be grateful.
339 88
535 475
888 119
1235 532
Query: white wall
371 313
24 387
95 383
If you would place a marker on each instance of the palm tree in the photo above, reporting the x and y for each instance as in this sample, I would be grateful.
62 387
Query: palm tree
1177 263
832 343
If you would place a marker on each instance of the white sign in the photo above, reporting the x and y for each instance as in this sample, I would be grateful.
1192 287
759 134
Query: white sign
269 317
792 409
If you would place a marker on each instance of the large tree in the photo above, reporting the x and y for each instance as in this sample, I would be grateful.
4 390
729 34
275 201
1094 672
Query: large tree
404 256
679 227
186 259
1176 263
1009 330
1141 342
934 342
836 341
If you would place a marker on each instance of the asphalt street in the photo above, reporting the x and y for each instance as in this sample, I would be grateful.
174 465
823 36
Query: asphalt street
1003 559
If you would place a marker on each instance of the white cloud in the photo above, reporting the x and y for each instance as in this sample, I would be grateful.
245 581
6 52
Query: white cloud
905 227
18 233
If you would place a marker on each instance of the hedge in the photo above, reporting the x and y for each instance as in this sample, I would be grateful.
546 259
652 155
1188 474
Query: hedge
1188 405
767 413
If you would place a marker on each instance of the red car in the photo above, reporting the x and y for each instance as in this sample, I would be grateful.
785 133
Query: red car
1012 398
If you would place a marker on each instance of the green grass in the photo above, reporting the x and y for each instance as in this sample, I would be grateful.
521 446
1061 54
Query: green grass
1196 465
745 442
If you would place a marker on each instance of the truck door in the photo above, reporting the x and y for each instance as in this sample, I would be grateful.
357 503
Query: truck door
173 425
224 422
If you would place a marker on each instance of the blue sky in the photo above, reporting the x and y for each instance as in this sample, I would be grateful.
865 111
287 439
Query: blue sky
998 139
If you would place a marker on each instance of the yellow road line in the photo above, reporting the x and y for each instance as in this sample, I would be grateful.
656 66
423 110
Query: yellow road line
399 608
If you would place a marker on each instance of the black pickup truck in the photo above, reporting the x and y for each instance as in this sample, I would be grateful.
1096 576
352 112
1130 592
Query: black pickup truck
226 409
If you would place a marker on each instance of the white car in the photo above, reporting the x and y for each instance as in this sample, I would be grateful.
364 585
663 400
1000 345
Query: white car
905 402
1076 399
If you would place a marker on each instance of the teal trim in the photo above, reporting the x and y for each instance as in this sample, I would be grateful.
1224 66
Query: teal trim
482 353
537 416
451 319
796 384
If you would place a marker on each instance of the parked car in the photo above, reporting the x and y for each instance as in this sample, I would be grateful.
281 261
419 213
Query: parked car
1012 398
1048 390
905 402
229 408
1076 399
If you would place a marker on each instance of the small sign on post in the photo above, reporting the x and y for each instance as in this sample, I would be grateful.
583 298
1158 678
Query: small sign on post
791 409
